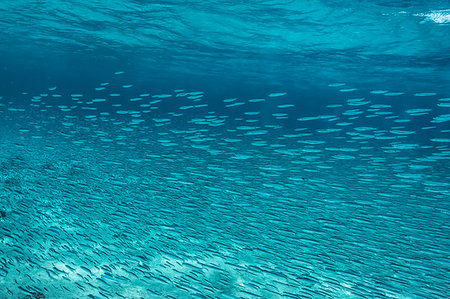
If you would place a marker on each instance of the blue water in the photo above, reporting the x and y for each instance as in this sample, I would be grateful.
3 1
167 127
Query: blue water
224 149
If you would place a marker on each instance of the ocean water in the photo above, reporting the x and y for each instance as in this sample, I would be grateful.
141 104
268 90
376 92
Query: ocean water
224 149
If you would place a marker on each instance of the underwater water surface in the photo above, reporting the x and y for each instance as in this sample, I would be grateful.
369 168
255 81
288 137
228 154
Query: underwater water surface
224 149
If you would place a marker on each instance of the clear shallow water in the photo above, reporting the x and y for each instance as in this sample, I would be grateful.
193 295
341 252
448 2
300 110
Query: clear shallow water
224 150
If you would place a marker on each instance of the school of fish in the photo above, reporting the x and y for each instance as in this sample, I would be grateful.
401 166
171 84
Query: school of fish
164 195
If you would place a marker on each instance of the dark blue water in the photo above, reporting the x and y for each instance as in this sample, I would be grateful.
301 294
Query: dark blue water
257 149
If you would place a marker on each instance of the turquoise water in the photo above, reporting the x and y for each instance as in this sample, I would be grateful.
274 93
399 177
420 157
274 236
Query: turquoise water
257 149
